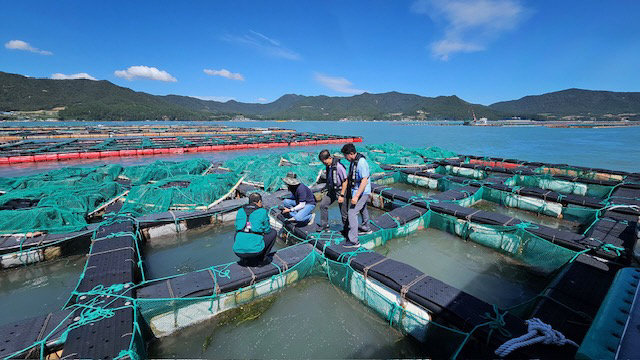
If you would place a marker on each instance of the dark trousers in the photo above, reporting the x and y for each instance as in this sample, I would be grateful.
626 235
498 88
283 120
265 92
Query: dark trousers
254 259
327 200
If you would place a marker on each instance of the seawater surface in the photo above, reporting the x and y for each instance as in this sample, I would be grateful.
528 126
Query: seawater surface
38 289
614 148
313 319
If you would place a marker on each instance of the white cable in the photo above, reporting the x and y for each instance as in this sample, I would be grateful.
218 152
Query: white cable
632 207
539 332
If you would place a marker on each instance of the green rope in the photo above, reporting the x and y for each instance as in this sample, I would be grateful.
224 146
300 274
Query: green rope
350 254
578 254
496 322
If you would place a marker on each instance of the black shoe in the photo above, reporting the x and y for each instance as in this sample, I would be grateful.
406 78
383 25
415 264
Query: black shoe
321 228
349 245
365 232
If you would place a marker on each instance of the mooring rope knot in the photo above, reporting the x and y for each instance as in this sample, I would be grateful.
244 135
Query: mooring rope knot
538 332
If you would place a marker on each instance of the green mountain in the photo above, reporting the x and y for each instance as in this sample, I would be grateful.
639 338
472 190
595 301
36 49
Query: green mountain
573 102
367 106
102 100
93 100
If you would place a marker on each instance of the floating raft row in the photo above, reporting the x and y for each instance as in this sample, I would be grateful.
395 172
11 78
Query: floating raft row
26 151
83 132
592 299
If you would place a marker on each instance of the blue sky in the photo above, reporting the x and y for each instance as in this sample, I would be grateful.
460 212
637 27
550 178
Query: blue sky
483 51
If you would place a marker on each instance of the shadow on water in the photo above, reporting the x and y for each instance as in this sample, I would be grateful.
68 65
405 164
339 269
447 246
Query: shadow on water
311 319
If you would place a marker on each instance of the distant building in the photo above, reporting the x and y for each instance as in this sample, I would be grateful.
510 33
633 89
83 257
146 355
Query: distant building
239 118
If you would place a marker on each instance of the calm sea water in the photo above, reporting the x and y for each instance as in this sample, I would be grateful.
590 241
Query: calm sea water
615 148
314 319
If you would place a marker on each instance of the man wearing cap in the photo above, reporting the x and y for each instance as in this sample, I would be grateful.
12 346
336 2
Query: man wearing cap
300 206
254 236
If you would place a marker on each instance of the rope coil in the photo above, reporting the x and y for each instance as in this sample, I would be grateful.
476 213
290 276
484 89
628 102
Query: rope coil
538 332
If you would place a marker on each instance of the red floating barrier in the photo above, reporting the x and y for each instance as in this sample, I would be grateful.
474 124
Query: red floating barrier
52 157
110 153
4 160
21 159
505 165
161 151
128 152
191 149
216 147
68 156
90 155
203 148
176 150
40 158
148 151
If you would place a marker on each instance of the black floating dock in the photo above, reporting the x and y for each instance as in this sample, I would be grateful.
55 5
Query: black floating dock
113 260
20 339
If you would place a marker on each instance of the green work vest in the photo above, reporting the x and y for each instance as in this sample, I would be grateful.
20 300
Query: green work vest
251 242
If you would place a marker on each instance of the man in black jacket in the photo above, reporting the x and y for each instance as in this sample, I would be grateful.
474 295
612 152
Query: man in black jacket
336 174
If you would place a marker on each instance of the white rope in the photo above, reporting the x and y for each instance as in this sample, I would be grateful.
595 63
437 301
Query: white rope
632 207
539 332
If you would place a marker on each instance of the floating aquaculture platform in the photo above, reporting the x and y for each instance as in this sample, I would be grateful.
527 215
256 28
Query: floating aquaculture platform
24 151
102 131
589 308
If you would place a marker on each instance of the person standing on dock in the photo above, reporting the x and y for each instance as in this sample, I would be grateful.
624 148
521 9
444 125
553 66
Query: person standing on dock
357 191
299 207
254 236
336 175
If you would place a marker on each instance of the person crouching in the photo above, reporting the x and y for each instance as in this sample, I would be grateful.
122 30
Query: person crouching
254 236
299 207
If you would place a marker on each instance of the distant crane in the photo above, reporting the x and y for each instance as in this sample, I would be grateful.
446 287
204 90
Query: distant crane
473 121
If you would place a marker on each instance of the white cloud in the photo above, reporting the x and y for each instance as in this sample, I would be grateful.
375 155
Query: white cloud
263 44
338 84
444 47
60 76
215 98
224 73
23 45
470 25
145 72
262 100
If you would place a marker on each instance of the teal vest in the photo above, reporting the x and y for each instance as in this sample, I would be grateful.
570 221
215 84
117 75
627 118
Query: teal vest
251 223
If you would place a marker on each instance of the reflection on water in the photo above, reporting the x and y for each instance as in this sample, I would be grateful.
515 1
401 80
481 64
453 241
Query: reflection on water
527 216
475 269
312 319
192 250
418 190
38 289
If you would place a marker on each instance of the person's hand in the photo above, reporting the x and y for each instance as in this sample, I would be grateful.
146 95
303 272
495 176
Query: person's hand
354 200
286 210
340 199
